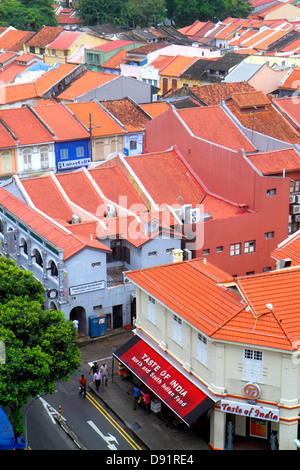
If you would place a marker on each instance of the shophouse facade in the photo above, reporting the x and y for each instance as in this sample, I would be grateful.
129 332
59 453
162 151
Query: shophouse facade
214 349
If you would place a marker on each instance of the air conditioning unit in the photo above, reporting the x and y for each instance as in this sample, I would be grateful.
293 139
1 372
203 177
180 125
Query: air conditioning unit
178 212
290 218
187 254
297 218
297 199
292 199
185 208
296 209
193 216
75 219
111 210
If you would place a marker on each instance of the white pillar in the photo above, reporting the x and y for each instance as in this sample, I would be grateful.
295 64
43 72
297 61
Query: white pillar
217 428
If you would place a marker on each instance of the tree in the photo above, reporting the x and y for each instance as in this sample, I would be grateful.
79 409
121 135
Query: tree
24 15
144 13
95 12
40 345
186 12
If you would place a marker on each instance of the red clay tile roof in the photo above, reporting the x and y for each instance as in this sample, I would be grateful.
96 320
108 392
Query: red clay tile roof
13 40
289 106
292 80
101 122
60 238
176 66
62 122
156 108
276 161
289 249
266 120
178 286
212 123
213 94
152 168
224 314
128 113
65 40
44 36
32 133
88 81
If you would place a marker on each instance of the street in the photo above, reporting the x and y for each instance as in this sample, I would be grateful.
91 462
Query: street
89 421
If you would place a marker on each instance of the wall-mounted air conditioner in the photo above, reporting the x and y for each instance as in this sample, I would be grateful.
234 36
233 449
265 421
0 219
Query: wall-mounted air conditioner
296 209
193 216
292 199
110 210
297 218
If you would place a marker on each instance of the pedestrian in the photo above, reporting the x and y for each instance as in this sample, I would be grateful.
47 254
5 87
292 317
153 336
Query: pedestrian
105 373
82 384
94 368
147 400
97 379
136 394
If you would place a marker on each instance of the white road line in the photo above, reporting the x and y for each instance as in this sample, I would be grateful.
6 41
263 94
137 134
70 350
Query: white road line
99 360
108 439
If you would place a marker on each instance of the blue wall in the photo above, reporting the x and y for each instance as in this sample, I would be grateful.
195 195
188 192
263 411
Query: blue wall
72 160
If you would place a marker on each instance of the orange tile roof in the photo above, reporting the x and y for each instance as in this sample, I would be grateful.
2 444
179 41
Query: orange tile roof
101 122
46 197
88 81
151 169
104 175
266 120
44 36
177 66
178 286
212 123
13 40
224 314
292 80
128 113
276 161
79 189
289 249
116 60
60 238
34 132
156 108
6 139
61 122
214 93
289 106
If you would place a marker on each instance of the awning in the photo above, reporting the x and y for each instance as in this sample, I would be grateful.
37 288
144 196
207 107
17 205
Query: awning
185 399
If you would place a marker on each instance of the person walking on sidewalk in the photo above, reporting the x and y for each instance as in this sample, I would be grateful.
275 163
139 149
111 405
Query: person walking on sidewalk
82 384
97 379
136 394
147 400
104 373
94 368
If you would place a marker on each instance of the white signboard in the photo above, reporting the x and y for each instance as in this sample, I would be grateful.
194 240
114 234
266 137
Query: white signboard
83 288
251 411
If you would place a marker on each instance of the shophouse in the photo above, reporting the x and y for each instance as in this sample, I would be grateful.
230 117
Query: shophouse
219 352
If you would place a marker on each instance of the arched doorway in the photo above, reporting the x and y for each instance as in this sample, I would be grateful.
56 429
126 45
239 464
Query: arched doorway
79 313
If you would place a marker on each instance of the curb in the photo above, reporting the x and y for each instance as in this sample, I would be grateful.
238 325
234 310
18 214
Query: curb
70 433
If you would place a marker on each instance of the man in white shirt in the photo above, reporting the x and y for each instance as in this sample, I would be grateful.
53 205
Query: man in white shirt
104 373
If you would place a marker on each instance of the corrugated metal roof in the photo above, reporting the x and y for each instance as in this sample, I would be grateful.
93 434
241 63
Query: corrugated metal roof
243 72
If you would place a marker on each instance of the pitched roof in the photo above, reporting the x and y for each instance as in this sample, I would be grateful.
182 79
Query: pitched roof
88 81
254 112
60 237
176 66
34 132
116 60
212 124
289 249
64 125
276 161
13 40
289 107
128 113
213 94
91 114
156 108
265 313
44 36
292 80
178 285
65 40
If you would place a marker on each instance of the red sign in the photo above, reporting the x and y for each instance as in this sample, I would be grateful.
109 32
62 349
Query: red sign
172 387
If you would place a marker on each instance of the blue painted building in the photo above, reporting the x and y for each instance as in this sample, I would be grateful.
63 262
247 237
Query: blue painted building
72 154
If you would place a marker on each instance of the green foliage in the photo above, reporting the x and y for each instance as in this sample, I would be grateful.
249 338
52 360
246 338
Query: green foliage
40 345
27 15
144 13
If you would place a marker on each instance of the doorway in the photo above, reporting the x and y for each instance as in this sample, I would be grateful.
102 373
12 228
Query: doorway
117 316
78 313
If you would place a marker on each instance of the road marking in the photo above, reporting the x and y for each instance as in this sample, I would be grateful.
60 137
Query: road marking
50 410
99 360
108 439
109 418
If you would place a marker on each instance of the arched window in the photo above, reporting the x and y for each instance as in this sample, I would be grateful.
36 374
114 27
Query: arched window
27 161
24 247
38 257
44 153
53 269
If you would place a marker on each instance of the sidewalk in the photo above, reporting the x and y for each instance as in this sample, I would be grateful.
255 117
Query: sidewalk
155 431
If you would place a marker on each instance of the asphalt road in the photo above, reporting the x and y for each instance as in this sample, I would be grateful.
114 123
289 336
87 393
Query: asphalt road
94 427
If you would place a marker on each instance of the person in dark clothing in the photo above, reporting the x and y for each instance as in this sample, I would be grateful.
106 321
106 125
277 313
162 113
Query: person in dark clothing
136 394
